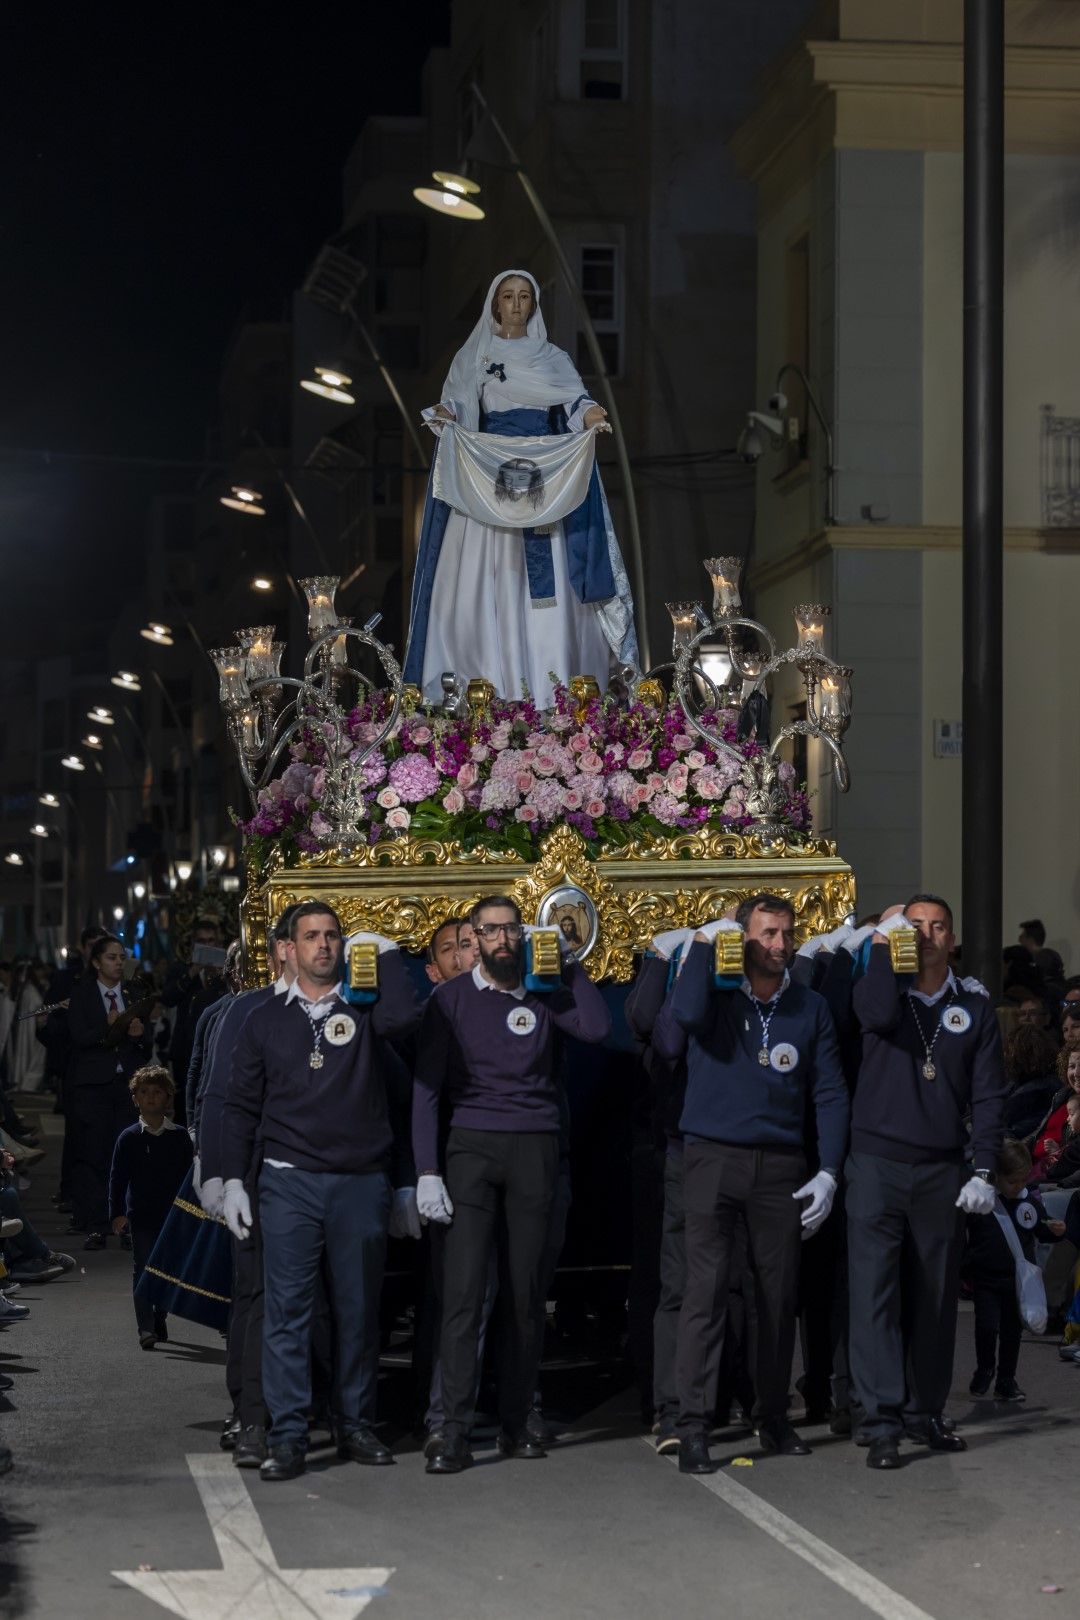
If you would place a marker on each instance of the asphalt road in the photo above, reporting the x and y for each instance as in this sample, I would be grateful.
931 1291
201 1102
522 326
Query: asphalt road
117 1470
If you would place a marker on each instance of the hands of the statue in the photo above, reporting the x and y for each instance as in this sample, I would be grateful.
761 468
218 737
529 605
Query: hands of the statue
447 416
596 417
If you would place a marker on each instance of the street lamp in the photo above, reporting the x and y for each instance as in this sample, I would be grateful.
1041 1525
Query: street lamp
72 762
101 715
139 890
118 913
13 858
159 634
92 740
450 200
127 681
330 384
261 583
49 800
244 499
39 830
184 870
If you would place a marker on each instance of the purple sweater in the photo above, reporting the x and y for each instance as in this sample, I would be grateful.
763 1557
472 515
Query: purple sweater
495 1079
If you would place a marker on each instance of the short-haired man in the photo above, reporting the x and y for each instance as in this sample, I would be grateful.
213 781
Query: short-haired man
486 1053
443 962
1033 1010
308 1099
757 1058
931 1053
468 946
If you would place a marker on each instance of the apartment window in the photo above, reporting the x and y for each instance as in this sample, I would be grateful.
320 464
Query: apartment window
603 50
600 275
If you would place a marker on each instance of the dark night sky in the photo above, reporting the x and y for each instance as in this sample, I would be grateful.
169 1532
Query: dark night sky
161 168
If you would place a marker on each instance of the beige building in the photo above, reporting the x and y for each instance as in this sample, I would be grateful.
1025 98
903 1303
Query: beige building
855 150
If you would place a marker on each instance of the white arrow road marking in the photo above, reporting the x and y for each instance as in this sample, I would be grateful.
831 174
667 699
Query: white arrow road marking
249 1585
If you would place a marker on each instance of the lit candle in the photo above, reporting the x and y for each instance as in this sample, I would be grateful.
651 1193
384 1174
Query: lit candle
684 622
810 619
830 706
724 573
319 590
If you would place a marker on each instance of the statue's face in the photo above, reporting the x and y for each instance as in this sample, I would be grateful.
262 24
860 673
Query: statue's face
514 303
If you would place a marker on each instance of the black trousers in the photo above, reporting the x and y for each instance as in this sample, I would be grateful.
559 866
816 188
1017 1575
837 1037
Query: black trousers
502 1186
243 1358
672 1285
720 1182
998 1328
98 1115
643 1293
143 1238
905 1241
823 1313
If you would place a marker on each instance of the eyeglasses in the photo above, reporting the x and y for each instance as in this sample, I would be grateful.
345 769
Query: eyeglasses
490 931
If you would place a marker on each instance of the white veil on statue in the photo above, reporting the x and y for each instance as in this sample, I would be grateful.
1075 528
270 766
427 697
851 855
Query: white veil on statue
539 374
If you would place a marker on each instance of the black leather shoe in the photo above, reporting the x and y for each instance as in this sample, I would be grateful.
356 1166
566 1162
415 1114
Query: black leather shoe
230 1434
449 1456
283 1462
935 1435
779 1436
840 1422
364 1446
884 1453
96 1240
519 1445
694 1455
147 1341
433 1442
250 1449
539 1429
6 1382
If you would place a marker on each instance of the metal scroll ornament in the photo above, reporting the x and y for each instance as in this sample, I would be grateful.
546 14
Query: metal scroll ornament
263 721
754 658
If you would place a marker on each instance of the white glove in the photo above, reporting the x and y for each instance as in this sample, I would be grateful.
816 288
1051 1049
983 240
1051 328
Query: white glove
433 1200
977 1197
361 937
821 1190
236 1208
211 1195
825 942
859 936
889 926
974 988
404 1215
667 943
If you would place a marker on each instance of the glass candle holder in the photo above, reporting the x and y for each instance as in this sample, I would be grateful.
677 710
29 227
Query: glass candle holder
339 648
233 691
684 624
322 615
724 573
810 620
255 643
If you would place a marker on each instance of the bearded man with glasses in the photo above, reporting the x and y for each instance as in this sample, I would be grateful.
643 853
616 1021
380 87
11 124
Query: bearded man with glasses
487 1057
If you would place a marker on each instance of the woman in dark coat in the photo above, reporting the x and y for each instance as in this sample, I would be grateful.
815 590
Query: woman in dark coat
100 1103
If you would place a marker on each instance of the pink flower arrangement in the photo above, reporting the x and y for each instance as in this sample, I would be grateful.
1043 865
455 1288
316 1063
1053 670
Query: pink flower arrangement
505 779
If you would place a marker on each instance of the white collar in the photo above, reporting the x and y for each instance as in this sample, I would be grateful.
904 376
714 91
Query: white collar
167 1125
950 986
116 990
482 983
294 993
281 986
746 990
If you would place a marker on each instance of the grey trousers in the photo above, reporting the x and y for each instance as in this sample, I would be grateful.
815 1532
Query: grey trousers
905 1242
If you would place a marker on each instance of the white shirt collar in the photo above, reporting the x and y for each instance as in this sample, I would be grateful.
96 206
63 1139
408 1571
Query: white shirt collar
281 986
746 990
949 987
108 990
483 983
168 1125
320 1006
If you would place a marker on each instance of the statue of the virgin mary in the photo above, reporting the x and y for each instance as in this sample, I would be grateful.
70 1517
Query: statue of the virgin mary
519 574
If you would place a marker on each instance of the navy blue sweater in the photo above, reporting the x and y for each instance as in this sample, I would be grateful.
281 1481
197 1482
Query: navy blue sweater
495 1079
213 1087
334 1119
897 1113
146 1174
667 1080
730 1096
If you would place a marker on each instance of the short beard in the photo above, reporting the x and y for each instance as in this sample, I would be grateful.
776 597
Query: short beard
507 971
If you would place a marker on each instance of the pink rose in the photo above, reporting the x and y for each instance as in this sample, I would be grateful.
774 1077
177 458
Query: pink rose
655 782
560 722
695 760
528 755
524 780
480 752
388 799
467 775
590 764
546 764
677 778
454 802
639 759
525 812
420 735
500 735
595 807
681 742
399 819
579 743
571 799
644 792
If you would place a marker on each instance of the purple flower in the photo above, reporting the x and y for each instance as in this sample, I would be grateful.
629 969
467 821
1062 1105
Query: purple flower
414 777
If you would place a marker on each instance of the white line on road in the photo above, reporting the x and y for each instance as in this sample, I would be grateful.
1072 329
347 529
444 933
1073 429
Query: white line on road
869 1591
250 1585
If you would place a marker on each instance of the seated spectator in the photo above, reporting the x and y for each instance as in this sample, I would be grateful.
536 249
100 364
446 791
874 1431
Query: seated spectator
27 1257
1020 977
1070 1024
1036 1010
1050 1132
1031 1069
1063 1164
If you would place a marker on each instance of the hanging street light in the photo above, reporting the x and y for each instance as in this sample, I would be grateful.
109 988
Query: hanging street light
329 383
244 499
